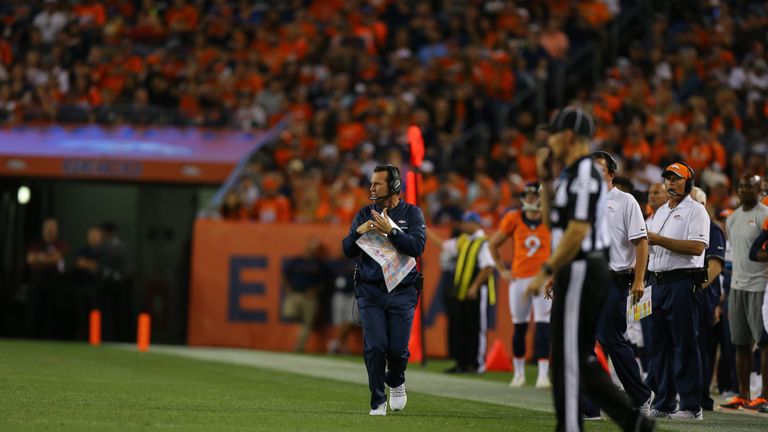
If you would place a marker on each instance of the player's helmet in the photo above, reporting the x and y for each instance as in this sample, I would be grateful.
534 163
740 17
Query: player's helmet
531 188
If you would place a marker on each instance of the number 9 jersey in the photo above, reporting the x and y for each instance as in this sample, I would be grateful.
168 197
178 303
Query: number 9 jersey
532 243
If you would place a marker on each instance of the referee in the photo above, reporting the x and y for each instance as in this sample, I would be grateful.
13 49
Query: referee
579 264
628 260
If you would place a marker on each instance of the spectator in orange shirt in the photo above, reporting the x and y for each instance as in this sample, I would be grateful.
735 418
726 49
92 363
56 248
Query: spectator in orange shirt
181 17
271 207
349 131
595 13
635 146
90 13
233 208
701 153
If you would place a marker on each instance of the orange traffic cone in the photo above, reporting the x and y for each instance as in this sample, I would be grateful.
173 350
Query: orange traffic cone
498 360
142 336
94 334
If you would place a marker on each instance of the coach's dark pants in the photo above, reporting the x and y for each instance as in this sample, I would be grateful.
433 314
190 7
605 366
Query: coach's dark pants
387 319
610 334
579 294
675 359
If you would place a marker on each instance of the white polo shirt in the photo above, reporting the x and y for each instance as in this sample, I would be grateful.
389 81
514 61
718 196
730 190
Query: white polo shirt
688 221
625 223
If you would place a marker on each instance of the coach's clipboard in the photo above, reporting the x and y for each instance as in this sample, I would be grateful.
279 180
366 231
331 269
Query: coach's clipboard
641 309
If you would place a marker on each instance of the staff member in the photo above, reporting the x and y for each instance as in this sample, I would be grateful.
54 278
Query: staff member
579 265
532 243
714 260
679 234
628 259
748 281
386 316
474 287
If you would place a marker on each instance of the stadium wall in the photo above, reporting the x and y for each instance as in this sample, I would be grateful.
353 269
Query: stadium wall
235 288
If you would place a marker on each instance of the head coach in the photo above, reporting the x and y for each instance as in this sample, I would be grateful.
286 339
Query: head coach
386 315
678 235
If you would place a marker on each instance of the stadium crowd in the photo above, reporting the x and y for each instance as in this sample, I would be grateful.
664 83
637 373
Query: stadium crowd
353 75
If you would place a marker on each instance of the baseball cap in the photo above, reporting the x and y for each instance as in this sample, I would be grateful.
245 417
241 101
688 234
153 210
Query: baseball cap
471 216
571 118
677 169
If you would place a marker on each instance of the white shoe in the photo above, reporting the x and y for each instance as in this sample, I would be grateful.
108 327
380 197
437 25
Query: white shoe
380 410
542 382
592 418
397 398
517 381
645 408
654 413
687 415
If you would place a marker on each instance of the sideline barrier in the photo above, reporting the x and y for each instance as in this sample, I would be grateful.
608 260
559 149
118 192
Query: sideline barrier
235 287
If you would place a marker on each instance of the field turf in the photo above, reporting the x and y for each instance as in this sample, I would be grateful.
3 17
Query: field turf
74 387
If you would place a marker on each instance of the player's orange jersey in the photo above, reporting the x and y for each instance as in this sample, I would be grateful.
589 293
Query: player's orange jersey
532 244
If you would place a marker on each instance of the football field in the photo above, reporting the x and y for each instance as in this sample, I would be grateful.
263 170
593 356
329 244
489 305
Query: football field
75 387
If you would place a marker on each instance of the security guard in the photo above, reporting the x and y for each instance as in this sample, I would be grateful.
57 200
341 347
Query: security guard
473 286
678 235
386 316
580 269
628 259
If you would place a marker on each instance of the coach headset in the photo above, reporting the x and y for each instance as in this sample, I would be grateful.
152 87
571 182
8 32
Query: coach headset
689 181
394 183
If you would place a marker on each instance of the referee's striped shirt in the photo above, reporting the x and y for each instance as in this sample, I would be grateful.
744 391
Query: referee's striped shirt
580 195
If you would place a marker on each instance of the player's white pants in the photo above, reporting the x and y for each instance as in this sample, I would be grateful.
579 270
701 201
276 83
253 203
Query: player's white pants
520 303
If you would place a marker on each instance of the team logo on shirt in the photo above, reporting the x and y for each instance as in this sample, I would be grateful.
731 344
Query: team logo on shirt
611 209
677 217
752 223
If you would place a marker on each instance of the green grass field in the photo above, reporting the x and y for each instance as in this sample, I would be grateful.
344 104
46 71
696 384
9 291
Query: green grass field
75 387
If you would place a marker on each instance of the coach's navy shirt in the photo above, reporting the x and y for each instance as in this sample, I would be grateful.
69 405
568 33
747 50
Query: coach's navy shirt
410 242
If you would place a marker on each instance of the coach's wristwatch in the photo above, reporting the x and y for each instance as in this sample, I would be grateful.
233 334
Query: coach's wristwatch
393 232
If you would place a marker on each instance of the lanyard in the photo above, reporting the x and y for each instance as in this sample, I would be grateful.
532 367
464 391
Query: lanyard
671 211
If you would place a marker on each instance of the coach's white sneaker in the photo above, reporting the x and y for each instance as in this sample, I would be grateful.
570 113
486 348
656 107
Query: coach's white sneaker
397 397
687 415
517 381
645 408
654 413
380 410
542 382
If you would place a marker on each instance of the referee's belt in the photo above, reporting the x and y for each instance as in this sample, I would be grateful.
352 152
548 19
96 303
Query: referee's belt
672 276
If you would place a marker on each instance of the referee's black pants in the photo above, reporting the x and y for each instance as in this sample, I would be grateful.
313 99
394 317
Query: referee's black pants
579 292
